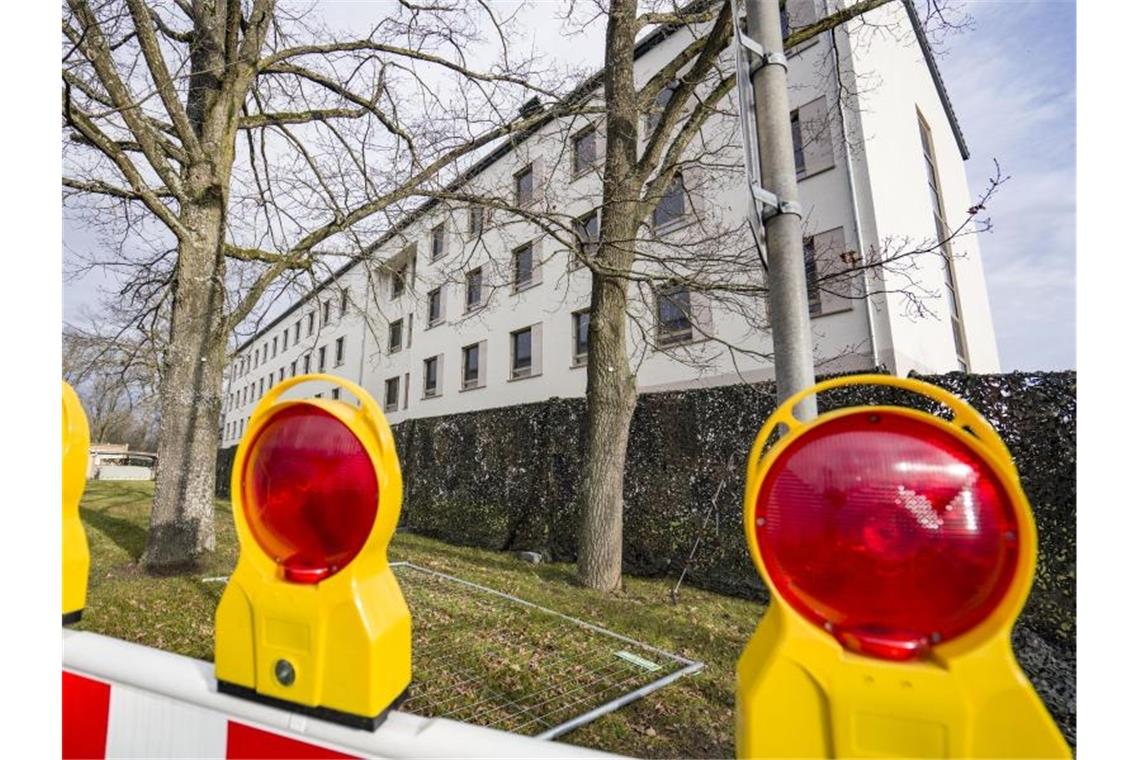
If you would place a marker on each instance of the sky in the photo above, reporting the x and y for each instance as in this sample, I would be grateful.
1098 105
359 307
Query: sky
1011 78
1012 82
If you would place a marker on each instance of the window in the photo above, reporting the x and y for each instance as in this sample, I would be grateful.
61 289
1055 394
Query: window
798 145
585 150
653 118
435 307
471 366
395 336
521 353
339 351
256 358
811 138
671 208
524 266
297 332
431 377
318 395
392 394
308 362
674 322
795 15
588 229
269 381
293 368
474 289
326 310
260 387
343 302
398 281
285 339
437 242
475 219
811 275
265 352
321 359
942 234
524 186
581 336
335 393
312 321
280 374
275 345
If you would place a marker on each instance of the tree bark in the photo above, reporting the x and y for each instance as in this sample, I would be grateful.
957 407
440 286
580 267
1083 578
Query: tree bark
182 517
611 387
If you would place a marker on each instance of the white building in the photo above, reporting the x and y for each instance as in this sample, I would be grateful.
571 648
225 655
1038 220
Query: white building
454 314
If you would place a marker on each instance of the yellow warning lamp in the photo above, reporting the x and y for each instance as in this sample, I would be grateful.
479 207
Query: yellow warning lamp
76 556
312 618
899 549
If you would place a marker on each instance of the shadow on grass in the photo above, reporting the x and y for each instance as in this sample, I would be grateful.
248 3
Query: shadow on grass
124 533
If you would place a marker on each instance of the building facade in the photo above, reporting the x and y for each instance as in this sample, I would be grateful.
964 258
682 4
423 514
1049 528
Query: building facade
466 306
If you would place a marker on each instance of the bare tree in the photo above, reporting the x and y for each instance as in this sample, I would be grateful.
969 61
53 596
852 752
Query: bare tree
226 150
671 144
115 373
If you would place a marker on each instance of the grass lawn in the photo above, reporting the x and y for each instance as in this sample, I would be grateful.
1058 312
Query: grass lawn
690 718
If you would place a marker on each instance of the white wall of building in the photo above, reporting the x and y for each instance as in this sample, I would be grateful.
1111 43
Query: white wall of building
887 173
897 87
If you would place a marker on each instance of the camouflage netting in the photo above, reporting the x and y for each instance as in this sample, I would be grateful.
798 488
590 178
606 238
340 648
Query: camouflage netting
506 479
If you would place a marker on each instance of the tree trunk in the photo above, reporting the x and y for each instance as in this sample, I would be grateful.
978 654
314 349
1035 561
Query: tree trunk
611 388
611 396
182 518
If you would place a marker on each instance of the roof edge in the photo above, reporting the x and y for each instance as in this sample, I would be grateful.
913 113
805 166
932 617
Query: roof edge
939 83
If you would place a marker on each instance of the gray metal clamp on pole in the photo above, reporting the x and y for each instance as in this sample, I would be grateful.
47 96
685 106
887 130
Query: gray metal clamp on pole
781 215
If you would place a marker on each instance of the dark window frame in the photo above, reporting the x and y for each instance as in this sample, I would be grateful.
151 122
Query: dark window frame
437 236
516 255
435 299
469 383
396 330
675 193
475 275
521 368
392 388
527 173
580 358
580 166
433 390
675 327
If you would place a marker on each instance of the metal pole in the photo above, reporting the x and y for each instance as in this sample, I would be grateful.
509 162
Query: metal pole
787 293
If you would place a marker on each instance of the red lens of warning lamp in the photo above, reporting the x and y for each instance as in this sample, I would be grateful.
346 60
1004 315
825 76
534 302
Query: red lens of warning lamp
887 531
311 493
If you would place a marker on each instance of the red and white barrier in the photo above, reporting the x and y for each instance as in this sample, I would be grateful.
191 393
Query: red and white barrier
127 700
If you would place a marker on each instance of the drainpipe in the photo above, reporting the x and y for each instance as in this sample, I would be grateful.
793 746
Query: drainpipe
854 202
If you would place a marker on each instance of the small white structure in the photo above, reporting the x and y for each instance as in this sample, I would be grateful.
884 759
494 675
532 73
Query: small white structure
115 462
100 452
453 314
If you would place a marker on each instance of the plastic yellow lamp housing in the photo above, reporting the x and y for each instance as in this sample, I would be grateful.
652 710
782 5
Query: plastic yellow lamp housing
312 618
76 556
899 549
